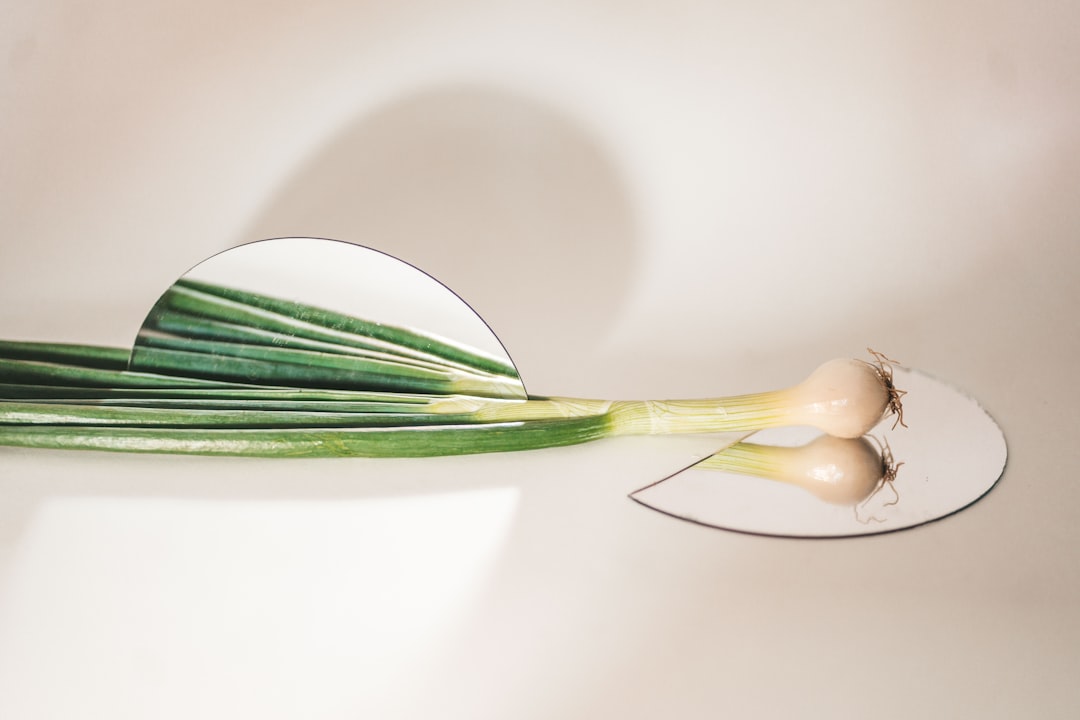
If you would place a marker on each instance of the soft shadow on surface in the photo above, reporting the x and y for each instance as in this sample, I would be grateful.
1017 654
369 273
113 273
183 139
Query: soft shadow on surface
509 202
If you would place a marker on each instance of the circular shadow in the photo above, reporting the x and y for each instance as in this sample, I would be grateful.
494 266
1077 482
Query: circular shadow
511 204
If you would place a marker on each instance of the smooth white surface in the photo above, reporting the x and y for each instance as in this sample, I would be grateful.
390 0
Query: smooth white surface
704 198
189 605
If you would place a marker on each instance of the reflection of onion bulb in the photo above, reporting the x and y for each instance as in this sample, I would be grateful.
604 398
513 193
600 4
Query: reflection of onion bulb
841 471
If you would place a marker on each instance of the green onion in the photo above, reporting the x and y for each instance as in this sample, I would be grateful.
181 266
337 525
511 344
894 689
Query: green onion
411 441
236 404
53 373
222 371
825 399
295 320
844 398
91 356
266 365
180 327
16 413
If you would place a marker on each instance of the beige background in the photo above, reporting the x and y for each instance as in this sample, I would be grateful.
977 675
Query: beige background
642 200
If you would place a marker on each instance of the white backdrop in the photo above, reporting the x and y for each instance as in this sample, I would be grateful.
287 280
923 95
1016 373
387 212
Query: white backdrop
683 199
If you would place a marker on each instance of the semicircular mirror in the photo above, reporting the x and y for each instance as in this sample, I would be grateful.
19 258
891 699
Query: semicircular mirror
796 482
309 312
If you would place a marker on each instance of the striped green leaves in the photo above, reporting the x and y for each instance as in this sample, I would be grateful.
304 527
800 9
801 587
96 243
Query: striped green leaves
201 330
218 370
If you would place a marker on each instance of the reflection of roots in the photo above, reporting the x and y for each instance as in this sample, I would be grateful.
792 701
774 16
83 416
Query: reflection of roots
889 470
884 367
889 465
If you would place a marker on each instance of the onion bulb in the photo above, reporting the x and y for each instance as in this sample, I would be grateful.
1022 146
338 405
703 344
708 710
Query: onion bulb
840 471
